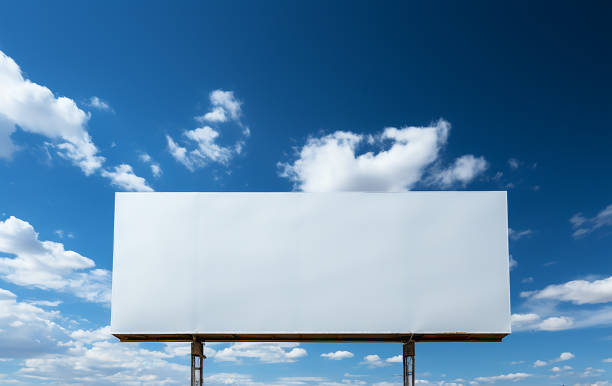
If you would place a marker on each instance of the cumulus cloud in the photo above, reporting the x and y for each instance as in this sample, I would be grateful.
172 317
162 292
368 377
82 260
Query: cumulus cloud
91 358
463 171
547 316
27 330
583 225
395 359
47 265
338 355
263 351
123 177
539 363
204 141
333 163
224 105
374 360
576 291
35 109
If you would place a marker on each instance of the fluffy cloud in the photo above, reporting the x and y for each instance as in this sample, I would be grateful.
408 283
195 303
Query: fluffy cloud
332 162
204 140
338 355
224 105
36 110
27 330
47 265
504 377
583 225
576 291
463 171
539 363
395 359
263 351
544 303
123 177
374 360
91 358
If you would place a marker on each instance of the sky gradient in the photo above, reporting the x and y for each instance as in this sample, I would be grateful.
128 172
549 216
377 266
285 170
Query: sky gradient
319 96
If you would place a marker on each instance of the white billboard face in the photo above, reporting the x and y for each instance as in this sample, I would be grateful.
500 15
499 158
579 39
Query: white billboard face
370 264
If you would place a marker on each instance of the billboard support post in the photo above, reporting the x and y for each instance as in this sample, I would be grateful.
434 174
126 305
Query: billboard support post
408 361
197 362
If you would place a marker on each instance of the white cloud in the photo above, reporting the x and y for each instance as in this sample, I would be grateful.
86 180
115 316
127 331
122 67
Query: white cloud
91 358
27 330
395 359
217 114
207 149
332 162
515 235
583 225
123 177
47 265
539 363
99 104
263 351
338 355
463 171
565 356
34 109
556 323
504 377
373 360
204 141
576 291
573 319
227 101
521 319
155 168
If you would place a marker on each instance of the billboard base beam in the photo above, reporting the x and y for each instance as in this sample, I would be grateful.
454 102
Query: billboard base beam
408 362
197 362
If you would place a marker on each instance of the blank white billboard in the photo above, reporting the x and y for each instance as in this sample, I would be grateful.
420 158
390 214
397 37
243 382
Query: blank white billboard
240 266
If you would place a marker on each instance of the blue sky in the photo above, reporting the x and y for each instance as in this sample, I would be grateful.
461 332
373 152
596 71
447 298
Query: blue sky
320 96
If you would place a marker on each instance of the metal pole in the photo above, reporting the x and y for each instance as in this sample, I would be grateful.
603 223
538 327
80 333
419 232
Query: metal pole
408 362
197 362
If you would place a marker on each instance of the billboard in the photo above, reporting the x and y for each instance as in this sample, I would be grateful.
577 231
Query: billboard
311 266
